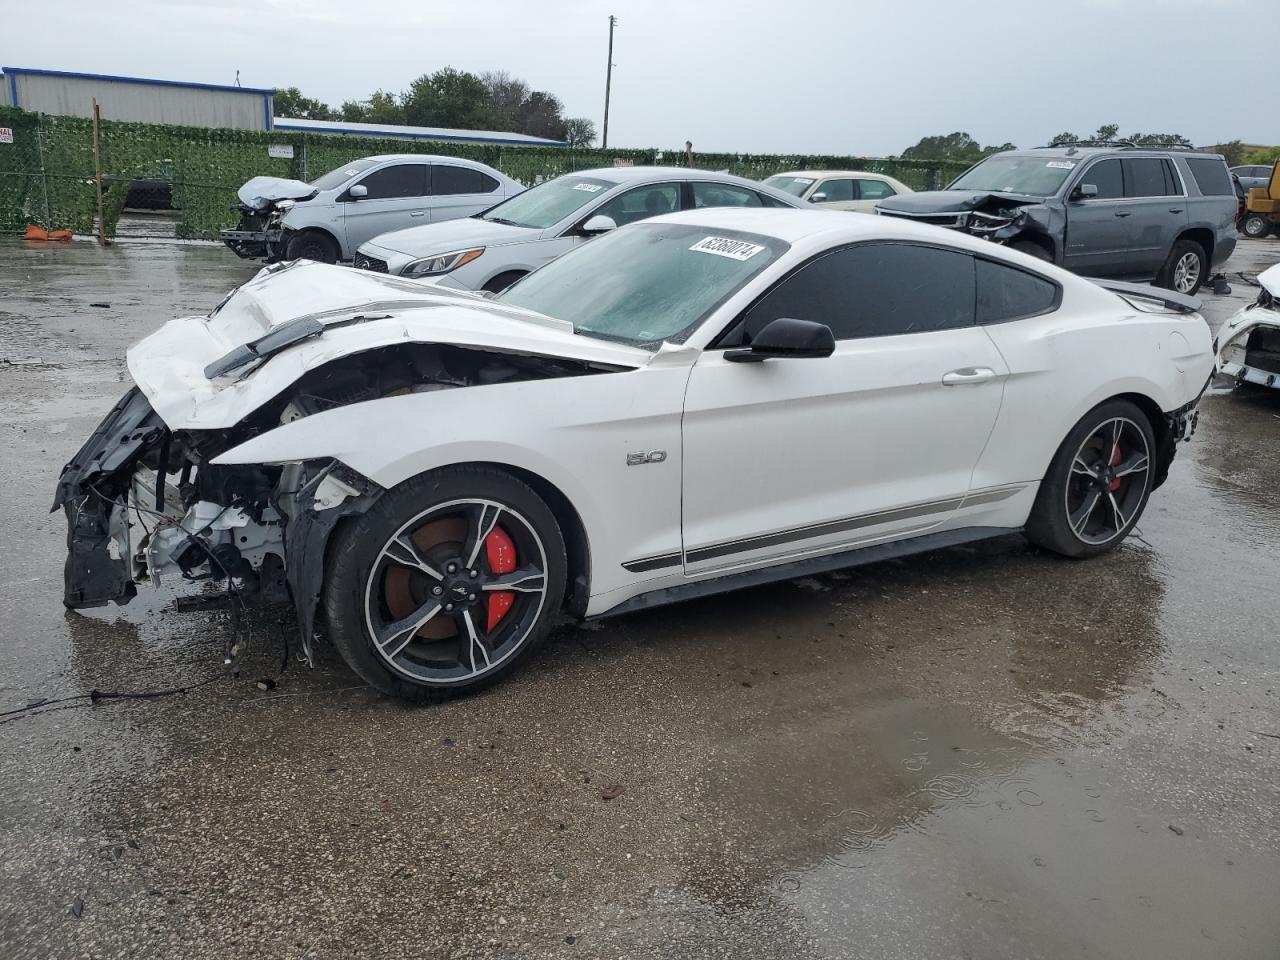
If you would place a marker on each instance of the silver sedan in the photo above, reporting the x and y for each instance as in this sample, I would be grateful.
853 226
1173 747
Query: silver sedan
492 250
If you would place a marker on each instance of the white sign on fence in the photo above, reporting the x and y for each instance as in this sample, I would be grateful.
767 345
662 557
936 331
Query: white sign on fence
6 135
281 151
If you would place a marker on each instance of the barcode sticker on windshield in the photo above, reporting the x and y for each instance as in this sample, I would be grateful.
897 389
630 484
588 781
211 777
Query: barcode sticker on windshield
724 247
805 180
589 187
1061 164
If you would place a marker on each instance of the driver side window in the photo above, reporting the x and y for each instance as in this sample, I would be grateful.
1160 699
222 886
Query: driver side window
641 203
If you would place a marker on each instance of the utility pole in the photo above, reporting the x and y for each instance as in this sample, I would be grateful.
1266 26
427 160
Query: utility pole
608 82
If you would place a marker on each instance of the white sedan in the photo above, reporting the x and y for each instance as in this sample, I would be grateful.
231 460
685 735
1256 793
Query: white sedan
839 189
691 404
492 250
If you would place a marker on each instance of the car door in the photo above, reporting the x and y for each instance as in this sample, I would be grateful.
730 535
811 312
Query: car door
835 193
798 456
870 192
1096 237
1156 212
396 198
457 191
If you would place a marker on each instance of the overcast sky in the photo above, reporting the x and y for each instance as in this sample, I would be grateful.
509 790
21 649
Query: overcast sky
804 76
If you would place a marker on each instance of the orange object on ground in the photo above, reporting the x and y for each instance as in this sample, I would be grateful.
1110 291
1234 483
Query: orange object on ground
39 233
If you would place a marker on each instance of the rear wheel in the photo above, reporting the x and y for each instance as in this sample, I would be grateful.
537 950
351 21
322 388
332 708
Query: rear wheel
1256 226
1098 483
1186 268
446 583
311 245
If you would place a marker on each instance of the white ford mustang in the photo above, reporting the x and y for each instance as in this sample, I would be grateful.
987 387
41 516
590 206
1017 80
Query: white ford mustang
690 404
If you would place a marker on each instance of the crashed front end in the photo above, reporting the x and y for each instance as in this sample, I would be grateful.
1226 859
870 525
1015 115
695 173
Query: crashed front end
998 217
1249 348
146 499
264 203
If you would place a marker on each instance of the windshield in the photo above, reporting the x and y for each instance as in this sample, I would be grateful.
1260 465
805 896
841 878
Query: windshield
549 202
796 186
1029 176
646 282
336 178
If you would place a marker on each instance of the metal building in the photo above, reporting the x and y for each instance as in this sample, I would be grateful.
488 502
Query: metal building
342 127
136 99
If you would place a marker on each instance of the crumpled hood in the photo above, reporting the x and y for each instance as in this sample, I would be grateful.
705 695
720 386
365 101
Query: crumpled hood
169 365
260 192
1270 280
432 238
949 201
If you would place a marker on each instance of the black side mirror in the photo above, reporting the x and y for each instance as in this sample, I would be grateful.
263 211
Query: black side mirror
786 338
1085 191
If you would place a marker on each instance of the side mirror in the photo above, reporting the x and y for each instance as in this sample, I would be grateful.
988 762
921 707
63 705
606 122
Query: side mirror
598 224
358 192
785 338
1085 191
818 198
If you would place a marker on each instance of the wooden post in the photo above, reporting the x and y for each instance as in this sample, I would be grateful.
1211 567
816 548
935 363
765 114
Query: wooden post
97 171
688 153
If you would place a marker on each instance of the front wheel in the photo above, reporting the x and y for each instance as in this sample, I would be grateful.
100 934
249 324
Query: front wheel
1098 483
311 245
447 582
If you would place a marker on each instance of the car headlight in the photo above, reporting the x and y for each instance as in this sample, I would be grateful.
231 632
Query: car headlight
440 263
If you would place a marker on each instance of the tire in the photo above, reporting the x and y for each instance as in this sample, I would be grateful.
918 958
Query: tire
1255 226
502 281
1186 268
1062 519
311 245
1031 249
376 583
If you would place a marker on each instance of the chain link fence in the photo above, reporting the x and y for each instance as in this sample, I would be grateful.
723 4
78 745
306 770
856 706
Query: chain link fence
48 172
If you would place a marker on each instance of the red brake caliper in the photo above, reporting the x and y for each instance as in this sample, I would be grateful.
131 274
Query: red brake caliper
501 554
1116 457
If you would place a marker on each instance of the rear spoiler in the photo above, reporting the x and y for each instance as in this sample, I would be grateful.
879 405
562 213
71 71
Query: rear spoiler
1178 302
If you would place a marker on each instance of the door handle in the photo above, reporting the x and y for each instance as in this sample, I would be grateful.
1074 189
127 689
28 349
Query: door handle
968 375
417 213
1175 209
1123 213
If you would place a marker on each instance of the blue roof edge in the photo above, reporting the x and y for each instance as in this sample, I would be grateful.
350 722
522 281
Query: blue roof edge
146 80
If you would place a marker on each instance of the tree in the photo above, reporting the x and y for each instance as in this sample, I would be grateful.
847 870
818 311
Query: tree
952 146
1107 134
447 98
1232 152
580 132
381 107
289 102
507 95
541 115
1267 155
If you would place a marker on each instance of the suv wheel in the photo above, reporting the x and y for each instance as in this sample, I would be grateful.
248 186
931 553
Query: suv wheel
1185 269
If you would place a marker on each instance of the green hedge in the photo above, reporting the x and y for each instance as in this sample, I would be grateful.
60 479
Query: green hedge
47 173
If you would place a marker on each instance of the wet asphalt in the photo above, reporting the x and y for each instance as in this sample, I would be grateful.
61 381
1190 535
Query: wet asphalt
984 752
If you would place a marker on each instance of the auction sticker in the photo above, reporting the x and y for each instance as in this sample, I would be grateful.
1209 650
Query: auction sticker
1061 164
6 135
805 180
724 247
589 187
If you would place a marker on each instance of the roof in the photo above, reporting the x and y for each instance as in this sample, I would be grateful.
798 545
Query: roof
1070 151
641 174
817 174
227 88
413 133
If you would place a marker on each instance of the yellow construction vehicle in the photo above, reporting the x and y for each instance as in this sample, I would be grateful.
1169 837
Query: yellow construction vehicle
1262 208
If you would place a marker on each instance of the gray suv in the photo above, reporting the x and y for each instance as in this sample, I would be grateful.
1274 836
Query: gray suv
1166 215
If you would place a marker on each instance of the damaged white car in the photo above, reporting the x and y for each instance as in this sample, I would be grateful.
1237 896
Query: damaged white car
1250 350
689 404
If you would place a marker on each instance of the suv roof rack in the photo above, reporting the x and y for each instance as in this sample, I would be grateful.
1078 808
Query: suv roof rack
1118 145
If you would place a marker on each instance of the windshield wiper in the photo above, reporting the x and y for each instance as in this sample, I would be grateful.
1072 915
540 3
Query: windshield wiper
509 223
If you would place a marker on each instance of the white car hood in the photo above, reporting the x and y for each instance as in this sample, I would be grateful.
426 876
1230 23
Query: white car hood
168 366
1270 280
432 238
260 192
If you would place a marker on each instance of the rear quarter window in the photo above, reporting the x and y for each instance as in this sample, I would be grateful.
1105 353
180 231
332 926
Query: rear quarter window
1211 176
1007 293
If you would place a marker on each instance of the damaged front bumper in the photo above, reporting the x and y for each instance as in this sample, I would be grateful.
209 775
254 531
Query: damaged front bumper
144 503
1250 350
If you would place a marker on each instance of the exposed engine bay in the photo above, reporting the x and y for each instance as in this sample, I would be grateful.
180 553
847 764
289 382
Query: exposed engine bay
999 217
1250 350
145 503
